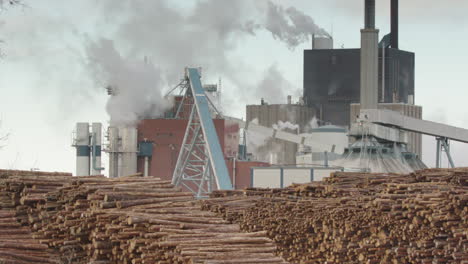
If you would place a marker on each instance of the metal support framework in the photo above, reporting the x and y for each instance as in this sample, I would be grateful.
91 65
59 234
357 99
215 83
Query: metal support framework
442 132
201 163
443 145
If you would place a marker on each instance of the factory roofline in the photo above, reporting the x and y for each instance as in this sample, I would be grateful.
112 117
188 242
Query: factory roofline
348 49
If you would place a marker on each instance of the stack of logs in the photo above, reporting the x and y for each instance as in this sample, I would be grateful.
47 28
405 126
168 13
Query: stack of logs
359 218
348 218
17 245
128 220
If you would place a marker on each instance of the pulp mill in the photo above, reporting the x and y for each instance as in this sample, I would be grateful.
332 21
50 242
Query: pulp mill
334 176
299 141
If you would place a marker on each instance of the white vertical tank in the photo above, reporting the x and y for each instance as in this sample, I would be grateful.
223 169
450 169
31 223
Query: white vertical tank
128 164
82 149
113 133
96 142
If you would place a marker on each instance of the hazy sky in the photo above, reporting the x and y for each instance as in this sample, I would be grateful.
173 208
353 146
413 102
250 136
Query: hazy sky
49 78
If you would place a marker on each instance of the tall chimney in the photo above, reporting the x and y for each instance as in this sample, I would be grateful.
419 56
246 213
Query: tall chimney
394 24
369 58
369 14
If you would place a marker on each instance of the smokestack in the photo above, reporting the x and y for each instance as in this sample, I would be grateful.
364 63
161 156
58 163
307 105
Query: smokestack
369 14
369 58
394 24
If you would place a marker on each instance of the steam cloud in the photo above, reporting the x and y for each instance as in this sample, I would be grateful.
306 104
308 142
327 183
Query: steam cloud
313 123
202 36
273 86
285 125
135 84
291 25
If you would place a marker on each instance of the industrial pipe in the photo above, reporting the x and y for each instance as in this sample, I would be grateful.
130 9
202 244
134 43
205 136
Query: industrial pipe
145 173
234 172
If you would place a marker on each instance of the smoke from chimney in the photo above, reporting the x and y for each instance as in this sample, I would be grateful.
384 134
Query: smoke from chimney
290 25
201 36
135 85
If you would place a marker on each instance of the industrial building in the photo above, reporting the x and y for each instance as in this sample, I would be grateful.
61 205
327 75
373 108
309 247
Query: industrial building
414 111
335 180
159 142
152 147
298 116
332 76
357 113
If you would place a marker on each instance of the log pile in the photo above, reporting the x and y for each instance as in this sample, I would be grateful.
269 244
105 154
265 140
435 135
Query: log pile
10 173
348 218
17 245
359 218
129 220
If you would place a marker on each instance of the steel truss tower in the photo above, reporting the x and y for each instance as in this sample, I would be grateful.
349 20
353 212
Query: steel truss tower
200 165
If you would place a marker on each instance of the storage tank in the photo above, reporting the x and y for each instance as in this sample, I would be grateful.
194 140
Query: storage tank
128 164
113 134
82 149
96 142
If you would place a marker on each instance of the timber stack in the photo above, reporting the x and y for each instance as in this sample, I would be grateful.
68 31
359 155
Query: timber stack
17 244
359 218
133 219
348 218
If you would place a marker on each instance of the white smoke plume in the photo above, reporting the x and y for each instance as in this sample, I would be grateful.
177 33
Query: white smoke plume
265 148
273 87
262 147
200 36
285 125
290 25
313 123
136 84
256 144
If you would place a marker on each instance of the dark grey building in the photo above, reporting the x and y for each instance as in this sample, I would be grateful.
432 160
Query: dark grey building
332 80
332 76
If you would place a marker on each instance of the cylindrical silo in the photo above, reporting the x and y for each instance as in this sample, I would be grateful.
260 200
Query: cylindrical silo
96 142
128 164
82 149
113 133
